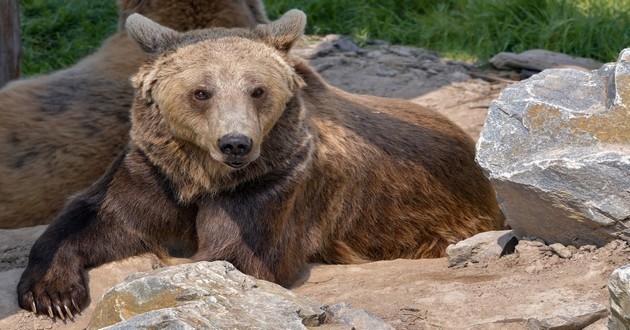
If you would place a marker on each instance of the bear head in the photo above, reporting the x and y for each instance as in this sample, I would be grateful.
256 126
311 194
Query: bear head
217 91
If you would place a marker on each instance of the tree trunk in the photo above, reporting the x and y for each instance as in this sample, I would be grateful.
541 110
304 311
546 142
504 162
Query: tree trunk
10 43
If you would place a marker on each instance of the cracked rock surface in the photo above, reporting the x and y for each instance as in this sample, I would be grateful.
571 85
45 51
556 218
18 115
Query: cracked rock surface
557 148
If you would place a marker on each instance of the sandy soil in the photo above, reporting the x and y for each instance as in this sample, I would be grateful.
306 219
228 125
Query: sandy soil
498 294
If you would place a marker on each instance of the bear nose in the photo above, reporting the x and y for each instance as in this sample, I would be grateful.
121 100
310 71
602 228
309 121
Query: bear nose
235 145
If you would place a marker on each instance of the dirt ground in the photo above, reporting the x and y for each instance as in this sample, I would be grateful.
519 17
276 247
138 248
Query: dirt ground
425 294
498 294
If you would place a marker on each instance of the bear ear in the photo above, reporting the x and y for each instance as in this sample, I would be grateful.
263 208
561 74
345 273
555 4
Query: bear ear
283 32
152 37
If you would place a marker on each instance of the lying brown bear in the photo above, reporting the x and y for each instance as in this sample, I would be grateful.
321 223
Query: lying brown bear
241 152
59 132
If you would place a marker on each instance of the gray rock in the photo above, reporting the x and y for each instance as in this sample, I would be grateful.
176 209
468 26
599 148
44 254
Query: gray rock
541 59
575 316
619 289
557 149
561 250
15 245
343 313
387 72
402 51
209 295
481 247
345 44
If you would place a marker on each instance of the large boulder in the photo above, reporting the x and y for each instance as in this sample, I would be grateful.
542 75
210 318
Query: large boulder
557 148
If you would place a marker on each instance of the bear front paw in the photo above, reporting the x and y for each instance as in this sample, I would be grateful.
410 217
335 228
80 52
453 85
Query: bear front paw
55 296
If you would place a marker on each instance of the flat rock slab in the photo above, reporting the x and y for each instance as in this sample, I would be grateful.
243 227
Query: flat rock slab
557 148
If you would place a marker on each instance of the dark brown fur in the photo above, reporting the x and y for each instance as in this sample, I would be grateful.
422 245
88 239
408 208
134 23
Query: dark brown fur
59 132
337 178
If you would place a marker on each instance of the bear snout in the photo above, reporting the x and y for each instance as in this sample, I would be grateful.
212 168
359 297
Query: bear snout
235 145
235 148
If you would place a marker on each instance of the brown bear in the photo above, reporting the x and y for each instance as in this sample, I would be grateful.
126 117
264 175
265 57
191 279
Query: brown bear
241 152
59 132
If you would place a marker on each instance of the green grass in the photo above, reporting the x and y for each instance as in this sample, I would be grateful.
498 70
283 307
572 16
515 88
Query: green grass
57 33
477 29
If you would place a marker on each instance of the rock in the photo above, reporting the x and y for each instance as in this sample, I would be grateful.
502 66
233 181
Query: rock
345 44
211 295
561 250
557 149
329 44
15 245
588 248
402 51
343 313
8 297
532 250
576 316
322 47
481 247
541 59
619 289
387 72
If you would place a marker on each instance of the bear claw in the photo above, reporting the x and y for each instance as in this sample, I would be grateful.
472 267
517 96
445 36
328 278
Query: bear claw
60 312
76 306
50 312
68 312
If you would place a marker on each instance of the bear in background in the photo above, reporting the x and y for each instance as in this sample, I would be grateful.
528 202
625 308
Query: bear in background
59 132
241 152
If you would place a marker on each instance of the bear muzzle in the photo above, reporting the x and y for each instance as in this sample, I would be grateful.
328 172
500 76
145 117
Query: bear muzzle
235 149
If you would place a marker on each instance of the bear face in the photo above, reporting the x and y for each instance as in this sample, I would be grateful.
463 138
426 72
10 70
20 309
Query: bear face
216 94
208 99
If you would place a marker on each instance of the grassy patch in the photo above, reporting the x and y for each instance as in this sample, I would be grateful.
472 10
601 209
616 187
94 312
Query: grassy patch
57 33
476 29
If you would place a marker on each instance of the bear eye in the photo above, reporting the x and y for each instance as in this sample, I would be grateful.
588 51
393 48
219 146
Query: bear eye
201 95
258 93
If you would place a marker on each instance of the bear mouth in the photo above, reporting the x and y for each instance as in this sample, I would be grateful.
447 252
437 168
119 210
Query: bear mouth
236 165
